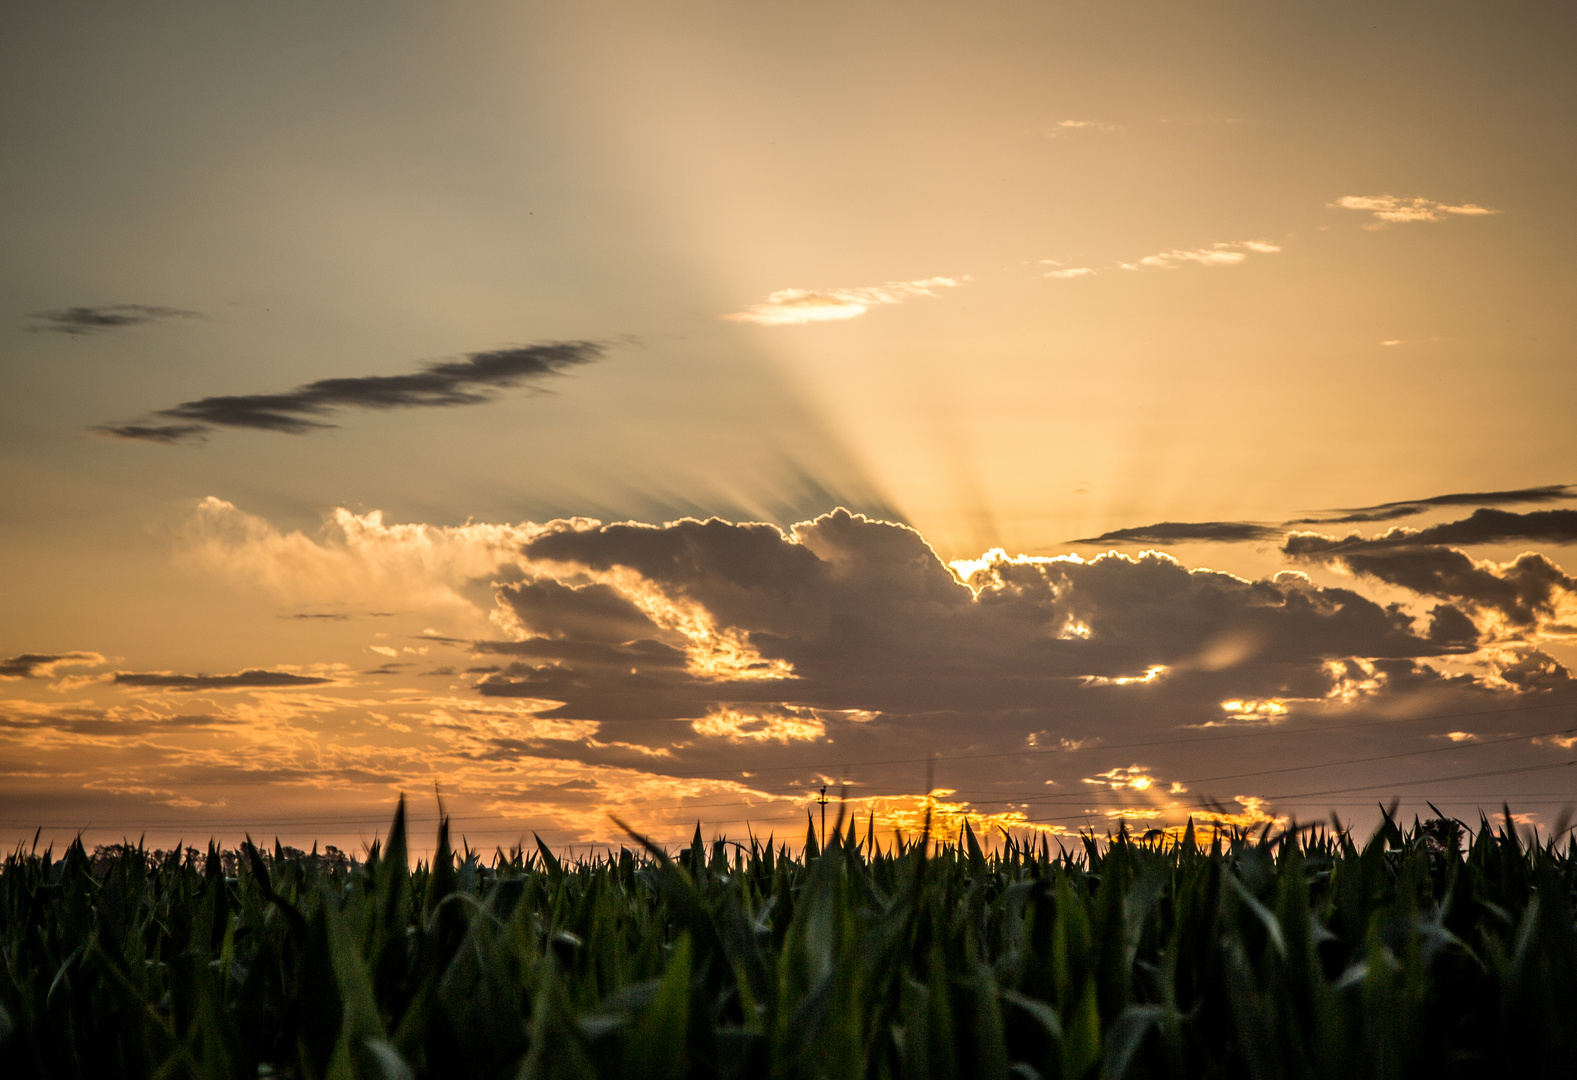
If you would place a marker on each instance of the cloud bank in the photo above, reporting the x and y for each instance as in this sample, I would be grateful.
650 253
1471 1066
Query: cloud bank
792 307
469 381
720 670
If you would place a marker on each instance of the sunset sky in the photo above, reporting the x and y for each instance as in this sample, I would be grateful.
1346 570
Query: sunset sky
1088 411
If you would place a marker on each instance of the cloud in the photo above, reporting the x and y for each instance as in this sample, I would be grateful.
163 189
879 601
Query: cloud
99 320
1226 253
715 669
1483 526
1524 591
792 307
1065 128
847 613
468 381
359 560
1410 507
250 679
1068 272
1390 210
43 665
1175 532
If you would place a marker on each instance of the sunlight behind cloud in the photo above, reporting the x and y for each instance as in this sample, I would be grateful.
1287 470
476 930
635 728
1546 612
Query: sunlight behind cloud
788 307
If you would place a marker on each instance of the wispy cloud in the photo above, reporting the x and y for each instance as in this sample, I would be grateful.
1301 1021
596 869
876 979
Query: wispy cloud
791 307
43 665
1485 526
1410 507
1225 253
1065 128
1066 271
1390 210
250 679
468 381
99 320
1173 532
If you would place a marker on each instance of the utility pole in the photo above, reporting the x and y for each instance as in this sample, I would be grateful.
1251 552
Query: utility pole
823 802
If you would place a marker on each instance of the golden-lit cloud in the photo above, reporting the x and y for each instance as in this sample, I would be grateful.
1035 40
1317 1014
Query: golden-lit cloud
790 307
1250 710
761 725
1223 253
359 559
1390 210
1066 272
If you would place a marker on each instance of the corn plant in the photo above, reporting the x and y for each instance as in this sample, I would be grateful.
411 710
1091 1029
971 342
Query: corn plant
1436 951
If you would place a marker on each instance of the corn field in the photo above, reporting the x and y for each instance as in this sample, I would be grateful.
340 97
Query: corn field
1439 951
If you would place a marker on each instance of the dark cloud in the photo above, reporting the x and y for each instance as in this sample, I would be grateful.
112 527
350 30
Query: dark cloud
392 668
1481 527
319 616
469 381
99 723
98 320
1502 526
596 612
742 650
250 679
43 665
159 433
1485 526
1525 591
1182 532
1409 507
853 614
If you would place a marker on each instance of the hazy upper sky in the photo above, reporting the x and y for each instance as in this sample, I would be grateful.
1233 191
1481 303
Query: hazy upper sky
314 320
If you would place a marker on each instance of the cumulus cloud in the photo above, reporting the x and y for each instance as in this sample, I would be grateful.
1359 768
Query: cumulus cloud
467 381
1225 253
250 679
359 559
790 307
708 648
847 613
43 665
718 669
99 320
1524 591
1065 272
1390 210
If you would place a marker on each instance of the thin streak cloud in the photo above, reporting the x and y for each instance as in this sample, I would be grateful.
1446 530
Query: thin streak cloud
99 320
1484 526
250 679
1224 253
793 307
1389 210
43 665
468 381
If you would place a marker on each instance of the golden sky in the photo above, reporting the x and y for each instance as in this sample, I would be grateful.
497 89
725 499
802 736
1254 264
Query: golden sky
668 410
